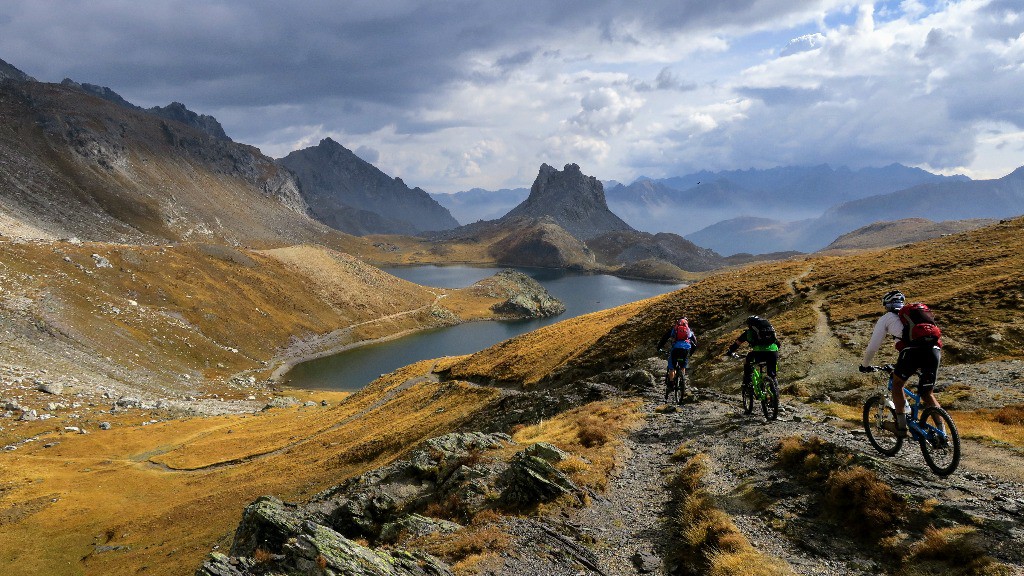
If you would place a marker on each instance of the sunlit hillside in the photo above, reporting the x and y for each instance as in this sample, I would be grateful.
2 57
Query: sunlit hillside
971 280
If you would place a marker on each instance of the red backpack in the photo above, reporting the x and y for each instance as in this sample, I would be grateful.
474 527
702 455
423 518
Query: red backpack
919 327
682 330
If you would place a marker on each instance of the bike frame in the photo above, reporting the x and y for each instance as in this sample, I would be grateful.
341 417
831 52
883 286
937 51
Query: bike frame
917 430
756 378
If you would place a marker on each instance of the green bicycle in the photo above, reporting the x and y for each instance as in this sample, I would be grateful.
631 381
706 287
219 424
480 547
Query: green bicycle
763 388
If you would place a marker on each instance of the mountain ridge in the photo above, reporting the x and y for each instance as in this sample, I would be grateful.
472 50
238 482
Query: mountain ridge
341 189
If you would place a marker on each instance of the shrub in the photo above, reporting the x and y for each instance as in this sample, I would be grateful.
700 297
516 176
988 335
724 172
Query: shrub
864 503
262 556
1010 415
594 432
952 550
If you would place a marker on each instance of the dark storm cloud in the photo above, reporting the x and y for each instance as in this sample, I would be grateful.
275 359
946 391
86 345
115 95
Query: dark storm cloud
270 52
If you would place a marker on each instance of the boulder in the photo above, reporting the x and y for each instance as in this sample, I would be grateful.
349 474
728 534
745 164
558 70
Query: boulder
531 480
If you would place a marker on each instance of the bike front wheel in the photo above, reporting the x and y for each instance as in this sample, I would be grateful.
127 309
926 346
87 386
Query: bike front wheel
748 398
876 413
940 443
770 401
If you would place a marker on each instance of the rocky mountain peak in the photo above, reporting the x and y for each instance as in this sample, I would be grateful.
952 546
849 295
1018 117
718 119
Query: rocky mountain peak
349 194
575 201
9 72
179 113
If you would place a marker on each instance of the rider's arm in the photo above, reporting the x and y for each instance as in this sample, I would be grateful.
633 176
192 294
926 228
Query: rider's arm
664 339
887 324
736 345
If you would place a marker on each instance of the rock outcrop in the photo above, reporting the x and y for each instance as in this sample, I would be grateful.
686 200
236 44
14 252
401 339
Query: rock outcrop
543 244
574 201
175 111
9 72
457 476
528 299
349 194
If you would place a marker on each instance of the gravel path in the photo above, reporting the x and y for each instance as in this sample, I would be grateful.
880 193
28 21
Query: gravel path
622 532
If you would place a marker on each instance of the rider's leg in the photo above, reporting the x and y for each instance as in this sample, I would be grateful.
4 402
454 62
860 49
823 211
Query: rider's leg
899 401
930 359
748 369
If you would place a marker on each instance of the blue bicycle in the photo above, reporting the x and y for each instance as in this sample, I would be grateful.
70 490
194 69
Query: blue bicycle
931 426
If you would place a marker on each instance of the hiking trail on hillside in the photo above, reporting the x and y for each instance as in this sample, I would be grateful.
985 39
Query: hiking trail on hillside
624 531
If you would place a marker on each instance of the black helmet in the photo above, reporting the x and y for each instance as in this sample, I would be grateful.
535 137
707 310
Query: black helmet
751 320
893 300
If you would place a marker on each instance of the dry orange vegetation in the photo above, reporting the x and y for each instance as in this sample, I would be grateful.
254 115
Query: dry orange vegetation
971 280
158 497
207 310
170 490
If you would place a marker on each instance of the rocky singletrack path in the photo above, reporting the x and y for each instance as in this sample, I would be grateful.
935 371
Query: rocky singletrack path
624 532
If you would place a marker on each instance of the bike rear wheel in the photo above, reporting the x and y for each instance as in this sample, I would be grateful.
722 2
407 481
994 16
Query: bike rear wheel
770 402
876 413
941 441
681 387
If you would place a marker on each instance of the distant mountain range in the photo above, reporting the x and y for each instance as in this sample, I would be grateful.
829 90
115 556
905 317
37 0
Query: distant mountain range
479 204
783 209
947 200
77 159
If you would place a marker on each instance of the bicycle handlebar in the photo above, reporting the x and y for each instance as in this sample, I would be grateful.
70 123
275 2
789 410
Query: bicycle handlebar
887 368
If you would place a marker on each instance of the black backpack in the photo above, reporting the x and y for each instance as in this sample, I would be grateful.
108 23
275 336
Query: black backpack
762 330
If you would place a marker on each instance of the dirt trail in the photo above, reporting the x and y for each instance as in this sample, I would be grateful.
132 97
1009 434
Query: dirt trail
781 516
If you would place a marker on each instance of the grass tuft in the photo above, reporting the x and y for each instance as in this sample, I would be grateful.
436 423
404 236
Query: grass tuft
706 539
958 550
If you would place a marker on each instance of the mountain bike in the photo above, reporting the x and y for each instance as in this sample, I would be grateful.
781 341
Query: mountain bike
931 426
763 388
677 386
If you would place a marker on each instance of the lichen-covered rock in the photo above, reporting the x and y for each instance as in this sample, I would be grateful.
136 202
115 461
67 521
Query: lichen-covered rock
266 524
525 297
319 549
415 525
221 565
532 480
316 549
436 471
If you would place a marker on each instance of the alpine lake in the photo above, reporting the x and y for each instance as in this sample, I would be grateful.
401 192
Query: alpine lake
581 293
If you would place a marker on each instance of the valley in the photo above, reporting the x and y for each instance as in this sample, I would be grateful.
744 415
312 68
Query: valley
159 279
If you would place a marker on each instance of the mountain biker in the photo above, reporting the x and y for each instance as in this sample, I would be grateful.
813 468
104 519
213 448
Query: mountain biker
683 343
764 347
914 356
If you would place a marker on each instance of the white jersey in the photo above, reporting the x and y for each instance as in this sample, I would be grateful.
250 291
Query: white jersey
890 324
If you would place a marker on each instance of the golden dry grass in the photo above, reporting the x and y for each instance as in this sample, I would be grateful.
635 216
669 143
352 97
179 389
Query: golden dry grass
953 550
117 489
852 495
705 539
208 310
820 305
571 431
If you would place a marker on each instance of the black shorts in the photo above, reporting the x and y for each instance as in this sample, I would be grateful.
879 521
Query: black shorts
682 355
924 359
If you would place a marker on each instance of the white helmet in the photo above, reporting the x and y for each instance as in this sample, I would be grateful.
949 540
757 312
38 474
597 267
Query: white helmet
893 301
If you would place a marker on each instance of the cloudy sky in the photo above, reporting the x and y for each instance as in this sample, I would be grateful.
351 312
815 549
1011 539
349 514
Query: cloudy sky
456 94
